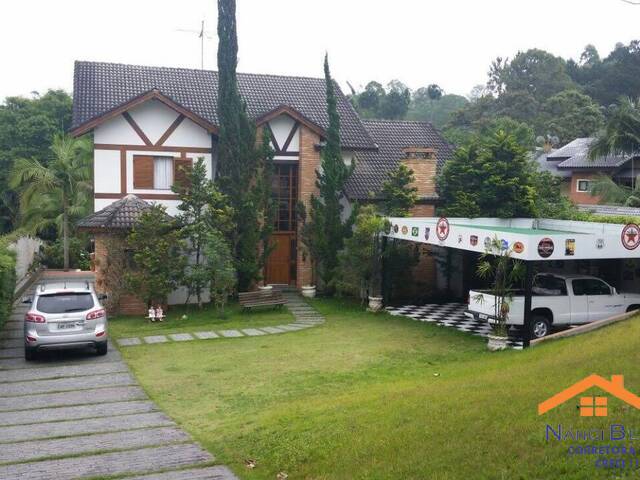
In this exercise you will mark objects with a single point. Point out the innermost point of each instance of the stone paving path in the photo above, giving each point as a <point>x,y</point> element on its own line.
<point>306,317</point>
<point>73,415</point>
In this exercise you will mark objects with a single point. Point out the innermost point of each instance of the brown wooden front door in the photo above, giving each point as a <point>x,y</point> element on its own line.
<point>281,265</point>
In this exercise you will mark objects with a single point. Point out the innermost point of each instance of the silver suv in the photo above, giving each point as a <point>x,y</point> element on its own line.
<point>64,315</point>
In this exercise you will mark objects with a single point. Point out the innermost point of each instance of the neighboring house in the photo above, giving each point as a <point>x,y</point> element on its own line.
<point>147,122</point>
<point>573,164</point>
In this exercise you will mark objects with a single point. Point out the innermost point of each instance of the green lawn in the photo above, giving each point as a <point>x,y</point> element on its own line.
<point>378,397</point>
<point>198,320</point>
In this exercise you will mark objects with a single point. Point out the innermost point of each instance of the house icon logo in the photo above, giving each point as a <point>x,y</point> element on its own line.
<point>592,406</point>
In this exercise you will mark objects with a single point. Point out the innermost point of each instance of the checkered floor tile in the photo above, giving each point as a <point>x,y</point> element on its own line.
<point>452,315</point>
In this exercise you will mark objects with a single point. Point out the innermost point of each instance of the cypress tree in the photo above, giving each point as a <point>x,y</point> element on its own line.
<point>242,164</point>
<point>325,232</point>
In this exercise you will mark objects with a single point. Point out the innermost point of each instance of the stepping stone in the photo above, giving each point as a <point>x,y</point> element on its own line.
<point>12,334</point>
<point>143,460</point>
<point>24,417</point>
<point>156,339</point>
<point>206,335</point>
<point>12,343</point>
<point>132,439</point>
<point>86,426</point>
<point>252,332</point>
<point>65,384</point>
<point>287,327</point>
<point>45,371</point>
<point>231,333</point>
<point>128,342</point>
<point>78,397</point>
<point>12,353</point>
<point>272,329</point>
<point>180,337</point>
<point>217,472</point>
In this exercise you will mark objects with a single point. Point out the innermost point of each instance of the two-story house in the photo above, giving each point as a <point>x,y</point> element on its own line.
<point>147,122</point>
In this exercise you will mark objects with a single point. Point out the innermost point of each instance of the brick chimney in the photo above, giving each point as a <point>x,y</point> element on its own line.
<point>422,160</point>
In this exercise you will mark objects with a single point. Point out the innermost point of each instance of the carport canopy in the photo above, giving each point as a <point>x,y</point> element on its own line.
<point>529,240</point>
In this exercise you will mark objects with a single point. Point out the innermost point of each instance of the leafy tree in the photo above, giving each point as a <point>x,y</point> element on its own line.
<point>398,193</point>
<point>221,274</point>
<point>569,115</point>
<point>323,233</point>
<point>396,102</point>
<point>156,250</point>
<point>27,127</point>
<point>241,162</point>
<point>437,112</point>
<point>370,98</point>
<point>203,211</point>
<point>608,79</point>
<point>621,135</point>
<point>612,193</point>
<point>57,193</point>
<point>492,176</point>
<point>359,262</point>
<point>537,72</point>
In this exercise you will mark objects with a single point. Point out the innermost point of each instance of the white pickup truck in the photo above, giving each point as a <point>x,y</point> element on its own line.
<point>558,300</point>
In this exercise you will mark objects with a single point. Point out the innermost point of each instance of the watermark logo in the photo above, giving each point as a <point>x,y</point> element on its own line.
<point>592,406</point>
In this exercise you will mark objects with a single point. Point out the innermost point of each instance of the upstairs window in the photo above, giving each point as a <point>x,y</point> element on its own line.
<point>159,172</point>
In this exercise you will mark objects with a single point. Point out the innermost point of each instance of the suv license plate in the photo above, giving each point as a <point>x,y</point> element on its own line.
<point>483,316</point>
<point>68,325</point>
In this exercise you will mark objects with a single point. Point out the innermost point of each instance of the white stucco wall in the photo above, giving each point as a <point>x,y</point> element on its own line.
<point>116,131</point>
<point>153,118</point>
<point>189,134</point>
<point>281,127</point>
<point>106,171</point>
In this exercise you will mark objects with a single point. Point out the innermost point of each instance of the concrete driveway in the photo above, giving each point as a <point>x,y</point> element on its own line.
<point>76,415</point>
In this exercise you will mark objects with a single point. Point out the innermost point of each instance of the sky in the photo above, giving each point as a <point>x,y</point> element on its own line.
<point>419,42</point>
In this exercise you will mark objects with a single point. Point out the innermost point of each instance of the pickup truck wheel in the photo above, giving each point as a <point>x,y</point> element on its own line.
<point>540,326</point>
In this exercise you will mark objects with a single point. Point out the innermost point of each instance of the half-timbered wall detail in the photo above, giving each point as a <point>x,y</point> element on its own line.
<point>285,136</point>
<point>144,151</point>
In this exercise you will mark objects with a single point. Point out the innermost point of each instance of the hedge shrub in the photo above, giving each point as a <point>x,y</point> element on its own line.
<point>7,279</point>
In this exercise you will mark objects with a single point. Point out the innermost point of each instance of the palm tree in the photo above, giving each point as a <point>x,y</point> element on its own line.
<point>621,136</point>
<point>55,194</point>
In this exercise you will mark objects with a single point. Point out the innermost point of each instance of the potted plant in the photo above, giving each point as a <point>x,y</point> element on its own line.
<point>496,264</point>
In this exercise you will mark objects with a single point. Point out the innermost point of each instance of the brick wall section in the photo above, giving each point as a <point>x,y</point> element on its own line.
<point>309,163</point>
<point>424,171</point>
<point>423,210</point>
<point>129,304</point>
<point>582,197</point>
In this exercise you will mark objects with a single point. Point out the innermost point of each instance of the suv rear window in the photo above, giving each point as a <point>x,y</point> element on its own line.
<point>65,302</point>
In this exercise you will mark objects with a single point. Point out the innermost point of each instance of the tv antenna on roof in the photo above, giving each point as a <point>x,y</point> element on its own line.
<point>202,34</point>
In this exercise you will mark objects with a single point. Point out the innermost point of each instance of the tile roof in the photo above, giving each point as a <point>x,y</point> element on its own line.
<point>547,163</point>
<point>391,136</point>
<point>101,87</point>
<point>579,145</point>
<point>120,215</point>
<point>575,154</point>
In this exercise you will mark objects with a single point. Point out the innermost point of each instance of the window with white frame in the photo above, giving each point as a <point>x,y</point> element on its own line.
<point>162,173</point>
<point>583,185</point>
